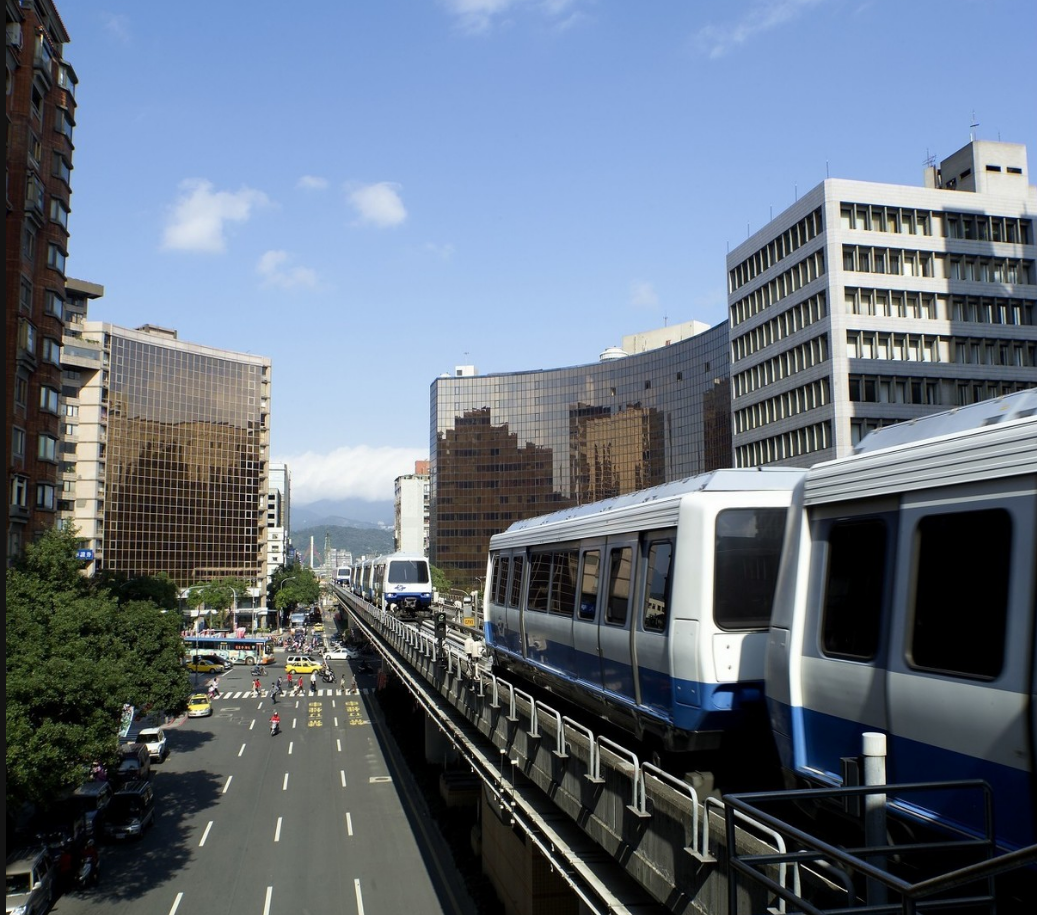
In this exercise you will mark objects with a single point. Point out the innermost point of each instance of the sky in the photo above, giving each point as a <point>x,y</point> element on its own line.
<point>373,192</point>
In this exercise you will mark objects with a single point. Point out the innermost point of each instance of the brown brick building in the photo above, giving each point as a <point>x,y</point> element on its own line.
<point>40,120</point>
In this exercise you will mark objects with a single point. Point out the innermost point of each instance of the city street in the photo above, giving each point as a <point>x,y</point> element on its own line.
<point>316,819</point>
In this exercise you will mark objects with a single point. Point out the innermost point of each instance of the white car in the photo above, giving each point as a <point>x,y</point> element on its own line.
<point>341,654</point>
<point>155,740</point>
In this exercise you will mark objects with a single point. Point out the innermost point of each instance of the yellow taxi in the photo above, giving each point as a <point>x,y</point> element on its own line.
<point>204,666</point>
<point>301,664</point>
<point>318,627</point>
<point>199,706</point>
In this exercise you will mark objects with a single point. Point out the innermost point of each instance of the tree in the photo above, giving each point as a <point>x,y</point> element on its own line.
<point>440,582</point>
<point>160,589</point>
<point>75,656</point>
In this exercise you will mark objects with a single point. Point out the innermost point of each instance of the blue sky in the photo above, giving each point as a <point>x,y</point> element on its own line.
<point>371,193</point>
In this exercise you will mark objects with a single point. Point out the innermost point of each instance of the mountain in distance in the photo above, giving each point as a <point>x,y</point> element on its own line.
<point>360,541</point>
<point>343,513</point>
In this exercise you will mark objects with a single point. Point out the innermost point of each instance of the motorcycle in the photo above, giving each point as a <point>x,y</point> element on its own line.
<point>327,675</point>
<point>364,668</point>
<point>88,873</point>
<point>275,727</point>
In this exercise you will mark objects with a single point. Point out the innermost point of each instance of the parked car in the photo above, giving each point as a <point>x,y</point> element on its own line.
<point>134,763</point>
<point>131,812</point>
<point>93,798</point>
<point>199,706</point>
<point>31,881</point>
<point>155,740</point>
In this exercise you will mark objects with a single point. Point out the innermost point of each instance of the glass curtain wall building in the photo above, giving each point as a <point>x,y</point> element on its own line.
<point>512,446</point>
<point>172,457</point>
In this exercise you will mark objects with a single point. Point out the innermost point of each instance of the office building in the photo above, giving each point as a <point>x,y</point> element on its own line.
<point>41,116</point>
<point>169,463</point>
<point>511,446</point>
<point>411,510</point>
<point>278,518</point>
<point>866,304</point>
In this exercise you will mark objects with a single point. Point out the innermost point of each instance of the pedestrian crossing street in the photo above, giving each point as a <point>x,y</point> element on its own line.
<point>265,694</point>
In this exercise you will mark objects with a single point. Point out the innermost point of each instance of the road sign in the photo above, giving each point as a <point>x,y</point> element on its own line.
<point>86,555</point>
<point>468,621</point>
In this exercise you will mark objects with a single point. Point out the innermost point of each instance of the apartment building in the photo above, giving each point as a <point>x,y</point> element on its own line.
<point>867,304</point>
<point>411,510</point>
<point>41,116</point>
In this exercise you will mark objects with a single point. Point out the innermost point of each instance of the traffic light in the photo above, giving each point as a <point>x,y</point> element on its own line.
<point>440,625</point>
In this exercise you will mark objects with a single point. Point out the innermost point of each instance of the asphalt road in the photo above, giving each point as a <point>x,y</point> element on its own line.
<point>319,819</point>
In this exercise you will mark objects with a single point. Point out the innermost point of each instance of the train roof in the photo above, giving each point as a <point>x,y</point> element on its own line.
<point>989,440</point>
<point>768,479</point>
<point>975,416</point>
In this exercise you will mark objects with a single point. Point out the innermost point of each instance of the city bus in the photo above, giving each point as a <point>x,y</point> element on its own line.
<point>244,650</point>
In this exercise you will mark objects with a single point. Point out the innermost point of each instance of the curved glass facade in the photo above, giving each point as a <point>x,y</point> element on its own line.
<point>518,445</point>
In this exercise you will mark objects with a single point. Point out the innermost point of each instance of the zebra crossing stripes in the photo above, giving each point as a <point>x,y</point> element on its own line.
<point>265,694</point>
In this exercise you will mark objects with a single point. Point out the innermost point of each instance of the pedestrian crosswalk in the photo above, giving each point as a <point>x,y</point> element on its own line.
<point>265,694</point>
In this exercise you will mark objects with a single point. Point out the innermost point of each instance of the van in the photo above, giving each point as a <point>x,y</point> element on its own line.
<point>131,811</point>
<point>31,881</point>
<point>93,798</point>
<point>134,763</point>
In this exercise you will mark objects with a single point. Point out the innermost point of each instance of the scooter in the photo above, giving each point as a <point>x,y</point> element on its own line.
<point>88,872</point>
<point>327,675</point>
<point>275,727</point>
<point>364,668</point>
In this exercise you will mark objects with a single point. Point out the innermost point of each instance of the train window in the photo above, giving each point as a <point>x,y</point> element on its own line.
<point>589,584</point>
<point>656,608</point>
<point>539,581</point>
<point>500,578</point>
<point>619,586</point>
<point>517,565</point>
<point>745,566</point>
<point>960,609</point>
<point>852,611</point>
<point>563,582</point>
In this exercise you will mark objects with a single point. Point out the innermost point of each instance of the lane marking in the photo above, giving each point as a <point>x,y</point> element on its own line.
<point>205,835</point>
<point>349,824</point>
<point>266,905</point>
<point>342,775</point>
<point>335,719</point>
<point>277,831</point>
<point>242,750</point>
<point>338,740</point>
<point>230,778</point>
<point>291,743</point>
<point>251,726</point>
<point>176,903</point>
<point>284,786</point>
<point>294,720</point>
<point>377,779</point>
<point>359,898</point>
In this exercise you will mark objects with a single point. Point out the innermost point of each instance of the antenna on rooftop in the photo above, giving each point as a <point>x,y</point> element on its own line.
<point>930,159</point>
<point>972,127</point>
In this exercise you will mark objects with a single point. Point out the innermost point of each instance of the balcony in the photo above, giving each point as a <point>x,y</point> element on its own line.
<point>79,353</point>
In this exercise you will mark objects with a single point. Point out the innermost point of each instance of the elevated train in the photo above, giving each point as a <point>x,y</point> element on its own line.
<point>891,591</point>
<point>400,583</point>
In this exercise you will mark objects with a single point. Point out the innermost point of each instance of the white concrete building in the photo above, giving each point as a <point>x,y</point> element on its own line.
<point>278,518</point>
<point>866,304</point>
<point>411,504</point>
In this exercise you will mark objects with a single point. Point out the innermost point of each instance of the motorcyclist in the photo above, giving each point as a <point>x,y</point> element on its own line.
<point>275,723</point>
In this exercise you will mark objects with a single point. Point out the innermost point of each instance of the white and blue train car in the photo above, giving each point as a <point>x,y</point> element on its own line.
<point>365,579</point>
<point>402,584</point>
<point>905,606</point>
<point>651,608</point>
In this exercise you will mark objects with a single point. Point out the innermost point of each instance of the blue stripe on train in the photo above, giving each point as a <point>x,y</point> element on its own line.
<point>819,741</point>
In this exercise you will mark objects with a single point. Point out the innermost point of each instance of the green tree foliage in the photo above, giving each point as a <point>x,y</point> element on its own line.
<point>161,590</point>
<point>440,582</point>
<point>291,586</point>
<point>74,656</point>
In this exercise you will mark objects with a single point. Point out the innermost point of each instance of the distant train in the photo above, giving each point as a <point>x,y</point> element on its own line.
<point>398,582</point>
<point>343,574</point>
<point>905,605</point>
<point>651,608</point>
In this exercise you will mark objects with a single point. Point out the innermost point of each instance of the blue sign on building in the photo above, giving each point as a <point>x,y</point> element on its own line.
<point>88,555</point>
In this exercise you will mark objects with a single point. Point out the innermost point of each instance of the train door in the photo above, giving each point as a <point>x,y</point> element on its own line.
<point>652,665</point>
<point>964,672</point>
<point>841,675</point>
<point>513,634</point>
<point>617,674</point>
<point>586,650</point>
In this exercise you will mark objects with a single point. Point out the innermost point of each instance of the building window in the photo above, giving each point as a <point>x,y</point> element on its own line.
<point>47,448</point>
<point>25,295</point>
<point>61,169</point>
<point>54,304</point>
<point>27,337</point>
<point>19,492</point>
<point>21,392</point>
<point>51,351</point>
<point>59,211</point>
<point>48,400</point>
<point>56,258</point>
<point>17,443</point>
<point>29,243</point>
<point>45,496</point>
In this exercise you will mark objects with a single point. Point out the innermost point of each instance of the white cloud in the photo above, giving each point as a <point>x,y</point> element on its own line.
<point>716,40</point>
<point>444,251</point>
<point>377,204</point>
<point>643,295</point>
<point>478,16</point>
<point>198,218</point>
<point>361,472</point>
<point>312,183</point>
<point>118,26</point>
<point>274,270</point>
